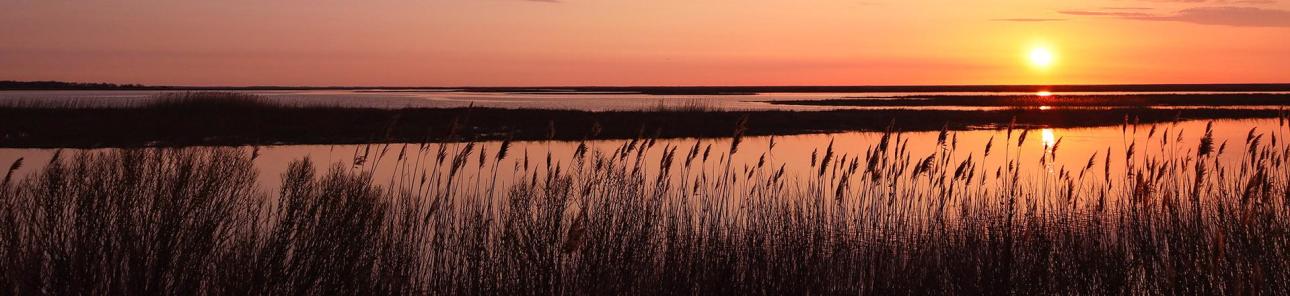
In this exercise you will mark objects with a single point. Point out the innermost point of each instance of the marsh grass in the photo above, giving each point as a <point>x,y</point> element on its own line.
<point>686,105</point>
<point>863,220</point>
<point>209,102</point>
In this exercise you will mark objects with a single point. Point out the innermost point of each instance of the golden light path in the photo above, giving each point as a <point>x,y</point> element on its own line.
<point>1048,137</point>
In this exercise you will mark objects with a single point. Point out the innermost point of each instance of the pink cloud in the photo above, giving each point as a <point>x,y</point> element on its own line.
<point>1221,16</point>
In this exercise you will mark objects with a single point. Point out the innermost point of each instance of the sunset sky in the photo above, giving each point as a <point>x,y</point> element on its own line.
<point>655,42</point>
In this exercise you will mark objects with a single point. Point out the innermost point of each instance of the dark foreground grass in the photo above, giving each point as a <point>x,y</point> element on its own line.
<point>186,119</point>
<point>863,220</point>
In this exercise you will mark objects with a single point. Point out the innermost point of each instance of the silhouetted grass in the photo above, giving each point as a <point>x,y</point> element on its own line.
<point>217,102</point>
<point>686,106</point>
<point>186,119</point>
<point>863,220</point>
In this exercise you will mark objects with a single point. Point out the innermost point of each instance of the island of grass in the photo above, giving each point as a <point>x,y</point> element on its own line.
<point>225,118</point>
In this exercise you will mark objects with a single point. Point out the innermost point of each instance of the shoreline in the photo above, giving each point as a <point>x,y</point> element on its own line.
<point>27,127</point>
<point>1083,100</point>
<point>688,90</point>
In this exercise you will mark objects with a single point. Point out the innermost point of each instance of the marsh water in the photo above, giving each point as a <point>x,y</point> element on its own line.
<point>796,154</point>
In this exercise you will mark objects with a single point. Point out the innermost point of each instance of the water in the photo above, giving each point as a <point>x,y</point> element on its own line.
<point>793,152</point>
<point>567,100</point>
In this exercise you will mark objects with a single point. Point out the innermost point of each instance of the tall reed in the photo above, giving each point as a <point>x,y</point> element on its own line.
<point>863,220</point>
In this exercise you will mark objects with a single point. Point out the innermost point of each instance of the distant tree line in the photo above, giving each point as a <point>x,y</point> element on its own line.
<point>688,90</point>
<point>61,85</point>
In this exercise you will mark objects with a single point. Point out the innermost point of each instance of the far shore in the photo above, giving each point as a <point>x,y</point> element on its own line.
<point>685,90</point>
<point>230,119</point>
<point>1081,100</point>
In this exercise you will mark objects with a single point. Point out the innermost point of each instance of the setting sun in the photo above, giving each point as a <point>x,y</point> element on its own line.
<point>1041,57</point>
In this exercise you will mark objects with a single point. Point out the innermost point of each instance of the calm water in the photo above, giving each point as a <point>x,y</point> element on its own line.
<point>792,152</point>
<point>442,99</point>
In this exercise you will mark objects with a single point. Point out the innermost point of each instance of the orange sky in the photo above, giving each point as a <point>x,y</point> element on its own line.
<point>655,42</point>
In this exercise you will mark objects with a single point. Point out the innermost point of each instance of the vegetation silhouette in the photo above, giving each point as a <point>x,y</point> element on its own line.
<point>863,220</point>
<point>228,118</point>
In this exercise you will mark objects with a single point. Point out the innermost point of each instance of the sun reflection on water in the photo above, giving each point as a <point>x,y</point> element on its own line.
<point>1048,137</point>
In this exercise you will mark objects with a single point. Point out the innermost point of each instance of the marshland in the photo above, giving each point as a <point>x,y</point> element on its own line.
<point>212,193</point>
<point>664,147</point>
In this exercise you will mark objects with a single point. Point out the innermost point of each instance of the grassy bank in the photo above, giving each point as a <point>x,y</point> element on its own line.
<point>862,220</point>
<point>235,119</point>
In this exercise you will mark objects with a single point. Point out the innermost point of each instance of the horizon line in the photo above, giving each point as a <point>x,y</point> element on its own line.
<point>176,86</point>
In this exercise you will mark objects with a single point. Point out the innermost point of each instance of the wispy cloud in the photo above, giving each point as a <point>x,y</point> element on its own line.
<point>1216,1</point>
<point>1029,20</point>
<point>1257,2</point>
<point>1125,8</point>
<point>1104,13</point>
<point>1229,16</point>
<point>1220,16</point>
